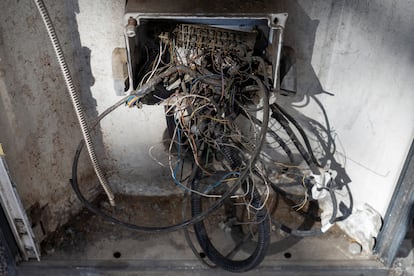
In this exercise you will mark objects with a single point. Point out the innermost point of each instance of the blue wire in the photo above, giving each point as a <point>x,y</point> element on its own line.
<point>129,98</point>
<point>218,183</point>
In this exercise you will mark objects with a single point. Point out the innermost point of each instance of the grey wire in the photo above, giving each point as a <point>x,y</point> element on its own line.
<point>74,96</point>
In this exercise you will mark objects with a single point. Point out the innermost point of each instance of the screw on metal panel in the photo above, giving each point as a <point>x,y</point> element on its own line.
<point>355,248</point>
<point>131,27</point>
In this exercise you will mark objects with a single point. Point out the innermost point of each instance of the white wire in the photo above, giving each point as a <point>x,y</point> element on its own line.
<point>161,53</point>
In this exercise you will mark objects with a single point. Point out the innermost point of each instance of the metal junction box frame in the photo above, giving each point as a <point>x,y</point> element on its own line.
<point>237,15</point>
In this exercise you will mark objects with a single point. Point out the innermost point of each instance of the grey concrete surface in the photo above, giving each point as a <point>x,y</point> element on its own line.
<point>92,246</point>
<point>39,131</point>
<point>361,52</point>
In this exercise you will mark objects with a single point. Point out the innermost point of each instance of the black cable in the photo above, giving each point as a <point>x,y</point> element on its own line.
<point>142,91</point>
<point>312,232</point>
<point>351,205</point>
<point>263,236</point>
<point>302,133</point>
<point>334,206</point>
<point>195,252</point>
<point>289,230</point>
<point>278,139</point>
<point>105,216</point>
<point>290,202</point>
<point>262,216</point>
<point>189,241</point>
<point>307,233</point>
<point>285,124</point>
<point>310,159</point>
<point>297,232</point>
<point>284,193</point>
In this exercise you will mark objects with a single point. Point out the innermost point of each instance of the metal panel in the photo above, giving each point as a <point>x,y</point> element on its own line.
<point>193,267</point>
<point>399,214</point>
<point>16,214</point>
<point>202,7</point>
<point>217,13</point>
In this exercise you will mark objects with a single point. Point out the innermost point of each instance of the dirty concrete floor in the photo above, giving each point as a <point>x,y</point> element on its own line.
<point>87,245</point>
<point>88,237</point>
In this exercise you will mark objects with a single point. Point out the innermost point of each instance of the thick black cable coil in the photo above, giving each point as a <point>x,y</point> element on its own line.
<point>262,217</point>
<point>263,236</point>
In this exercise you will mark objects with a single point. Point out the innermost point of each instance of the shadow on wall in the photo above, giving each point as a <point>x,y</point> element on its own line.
<point>41,128</point>
<point>300,35</point>
<point>79,62</point>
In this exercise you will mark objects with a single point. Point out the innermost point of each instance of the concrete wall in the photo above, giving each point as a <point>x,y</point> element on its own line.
<point>38,128</point>
<point>359,51</point>
<point>362,53</point>
<point>128,134</point>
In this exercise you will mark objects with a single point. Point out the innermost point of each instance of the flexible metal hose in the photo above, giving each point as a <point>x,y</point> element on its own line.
<point>74,96</point>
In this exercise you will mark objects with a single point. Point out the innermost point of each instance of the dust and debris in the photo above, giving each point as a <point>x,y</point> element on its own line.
<point>86,227</point>
<point>90,236</point>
